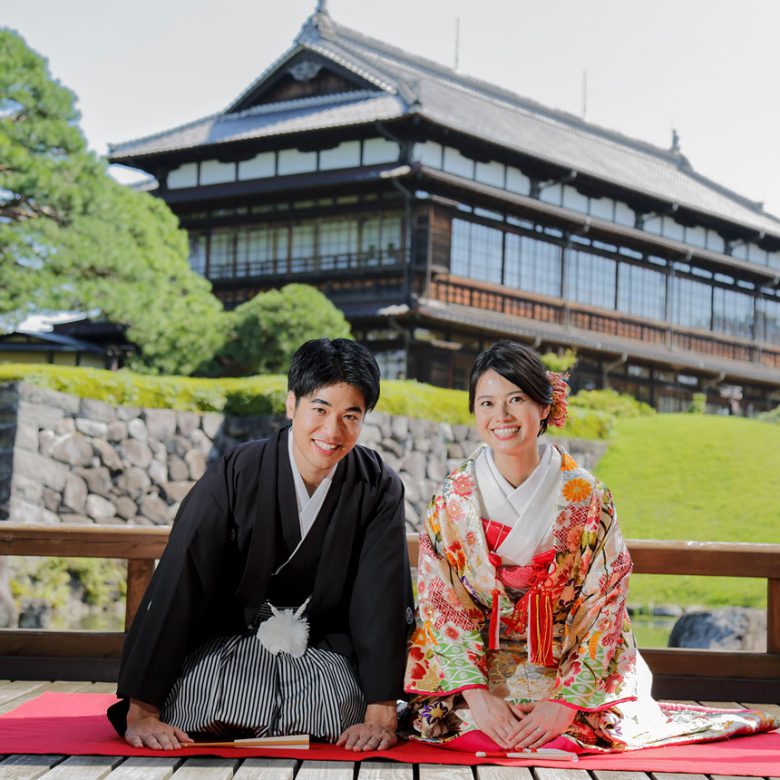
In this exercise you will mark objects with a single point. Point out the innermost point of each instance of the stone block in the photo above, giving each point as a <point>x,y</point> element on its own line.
<point>38,415</point>
<point>27,489</point>
<point>399,428</point>
<point>27,437</point>
<point>75,494</point>
<point>72,449</point>
<point>159,452</point>
<point>175,491</point>
<point>178,445</point>
<point>97,410</point>
<point>116,431</point>
<point>414,463</point>
<point>422,444</point>
<point>125,507</point>
<point>187,422</point>
<point>107,455</point>
<point>46,440</point>
<point>444,431</point>
<point>158,472</point>
<point>726,628</point>
<point>201,442</point>
<point>20,511</point>
<point>455,450</point>
<point>76,519</point>
<point>155,509</point>
<point>460,432</point>
<point>98,480</point>
<point>212,423</point>
<point>391,445</point>
<point>91,427</point>
<point>434,470</point>
<point>177,468</point>
<point>99,508</point>
<point>370,434</point>
<point>136,453</point>
<point>196,464</point>
<point>65,425</point>
<point>161,423</point>
<point>137,429</point>
<point>126,413</point>
<point>41,395</point>
<point>51,499</point>
<point>36,467</point>
<point>134,482</point>
<point>411,488</point>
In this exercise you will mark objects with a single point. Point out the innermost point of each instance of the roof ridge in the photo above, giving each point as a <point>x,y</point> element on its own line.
<point>113,148</point>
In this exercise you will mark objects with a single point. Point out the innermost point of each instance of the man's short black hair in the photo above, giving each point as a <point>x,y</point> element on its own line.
<point>322,362</point>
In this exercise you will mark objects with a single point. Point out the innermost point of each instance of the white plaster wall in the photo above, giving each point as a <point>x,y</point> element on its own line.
<point>260,166</point>
<point>455,162</point>
<point>380,150</point>
<point>345,155</point>
<point>216,172</point>
<point>429,153</point>
<point>293,161</point>
<point>490,173</point>
<point>184,176</point>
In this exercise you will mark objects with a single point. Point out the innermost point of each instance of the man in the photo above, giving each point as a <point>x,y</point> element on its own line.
<point>304,520</point>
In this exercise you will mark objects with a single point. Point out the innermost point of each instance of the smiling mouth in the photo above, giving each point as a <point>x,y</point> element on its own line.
<point>325,446</point>
<point>505,433</point>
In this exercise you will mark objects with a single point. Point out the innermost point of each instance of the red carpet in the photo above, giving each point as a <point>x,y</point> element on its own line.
<point>75,724</point>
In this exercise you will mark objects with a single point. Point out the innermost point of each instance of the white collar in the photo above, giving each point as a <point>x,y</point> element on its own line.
<point>308,506</point>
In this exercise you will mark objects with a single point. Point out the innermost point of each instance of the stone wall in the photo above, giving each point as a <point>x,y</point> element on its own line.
<point>78,460</point>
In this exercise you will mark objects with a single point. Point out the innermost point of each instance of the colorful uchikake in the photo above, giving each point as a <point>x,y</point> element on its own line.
<point>559,404</point>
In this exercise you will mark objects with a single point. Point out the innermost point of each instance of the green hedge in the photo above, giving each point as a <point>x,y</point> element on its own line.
<point>590,419</point>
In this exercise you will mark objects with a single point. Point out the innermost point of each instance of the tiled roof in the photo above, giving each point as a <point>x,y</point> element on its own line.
<point>408,84</point>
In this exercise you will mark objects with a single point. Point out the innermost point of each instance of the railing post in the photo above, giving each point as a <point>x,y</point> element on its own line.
<point>773,616</point>
<point>139,575</point>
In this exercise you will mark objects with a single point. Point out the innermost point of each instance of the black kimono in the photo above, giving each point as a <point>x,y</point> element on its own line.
<point>237,525</point>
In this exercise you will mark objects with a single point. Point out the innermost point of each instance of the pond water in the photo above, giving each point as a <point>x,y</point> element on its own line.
<point>652,630</point>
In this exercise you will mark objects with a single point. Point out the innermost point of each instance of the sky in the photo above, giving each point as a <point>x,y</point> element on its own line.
<point>708,68</point>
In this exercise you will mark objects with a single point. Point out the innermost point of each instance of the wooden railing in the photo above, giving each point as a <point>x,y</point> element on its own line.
<point>678,673</point>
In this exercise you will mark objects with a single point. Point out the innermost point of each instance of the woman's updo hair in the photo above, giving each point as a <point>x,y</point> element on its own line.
<point>519,365</point>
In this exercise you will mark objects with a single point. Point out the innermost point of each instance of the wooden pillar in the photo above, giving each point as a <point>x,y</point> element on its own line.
<point>773,616</point>
<point>139,575</point>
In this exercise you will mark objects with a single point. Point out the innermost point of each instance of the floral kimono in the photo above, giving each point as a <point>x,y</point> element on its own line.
<point>523,592</point>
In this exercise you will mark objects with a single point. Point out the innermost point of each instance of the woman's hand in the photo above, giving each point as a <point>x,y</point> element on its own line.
<point>376,732</point>
<point>493,716</point>
<point>145,729</point>
<point>541,722</point>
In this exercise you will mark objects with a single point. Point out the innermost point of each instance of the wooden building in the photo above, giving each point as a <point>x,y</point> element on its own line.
<point>441,213</point>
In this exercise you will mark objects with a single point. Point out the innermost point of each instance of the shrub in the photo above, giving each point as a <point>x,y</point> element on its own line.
<point>772,416</point>
<point>616,404</point>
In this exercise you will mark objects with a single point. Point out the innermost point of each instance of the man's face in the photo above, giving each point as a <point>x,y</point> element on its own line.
<point>325,427</point>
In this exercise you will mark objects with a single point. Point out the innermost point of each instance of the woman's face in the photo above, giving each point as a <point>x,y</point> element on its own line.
<point>507,419</point>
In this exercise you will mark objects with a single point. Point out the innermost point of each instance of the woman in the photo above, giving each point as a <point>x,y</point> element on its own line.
<point>522,637</point>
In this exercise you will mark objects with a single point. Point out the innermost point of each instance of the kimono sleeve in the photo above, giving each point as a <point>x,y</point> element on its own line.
<point>447,649</point>
<point>598,656</point>
<point>179,602</point>
<point>381,602</point>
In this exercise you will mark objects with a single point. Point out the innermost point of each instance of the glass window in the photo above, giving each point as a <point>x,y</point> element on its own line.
<point>641,291</point>
<point>691,303</point>
<point>338,242</point>
<point>476,251</point>
<point>303,247</point>
<point>732,312</point>
<point>222,253</point>
<point>768,320</point>
<point>392,242</point>
<point>371,240</point>
<point>198,252</point>
<point>532,265</point>
<point>590,279</point>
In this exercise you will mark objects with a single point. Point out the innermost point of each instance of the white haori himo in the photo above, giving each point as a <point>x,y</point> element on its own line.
<point>529,509</point>
<point>286,631</point>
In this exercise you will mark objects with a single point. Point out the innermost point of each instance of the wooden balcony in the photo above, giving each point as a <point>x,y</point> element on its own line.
<point>573,316</point>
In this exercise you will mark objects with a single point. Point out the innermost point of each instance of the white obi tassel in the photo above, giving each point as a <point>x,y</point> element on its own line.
<point>287,631</point>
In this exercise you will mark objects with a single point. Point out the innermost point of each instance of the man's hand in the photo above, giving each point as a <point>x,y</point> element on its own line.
<point>145,729</point>
<point>493,716</point>
<point>541,722</point>
<point>376,732</point>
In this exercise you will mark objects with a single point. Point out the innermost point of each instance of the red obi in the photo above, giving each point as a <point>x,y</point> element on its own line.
<point>533,612</point>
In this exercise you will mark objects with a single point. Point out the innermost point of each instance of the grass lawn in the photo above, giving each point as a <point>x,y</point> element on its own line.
<point>701,477</point>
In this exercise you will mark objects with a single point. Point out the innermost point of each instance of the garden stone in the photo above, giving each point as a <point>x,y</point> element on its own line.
<point>422,444</point>
<point>75,494</point>
<point>20,511</point>
<point>126,413</point>
<point>186,422</point>
<point>27,489</point>
<point>98,480</point>
<point>99,508</point>
<point>175,491</point>
<point>39,415</point>
<point>370,435</point>
<point>74,519</point>
<point>137,430</point>
<point>399,428</point>
<point>46,440</point>
<point>108,456</point>
<point>161,423</point>
<point>27,437</point>
<point>455,450</point>
<point>159,452</point>
<point>391,460</point>
<point>65,425</point>
<point>97,410</point>
<point>728,628</point>
<point>196,463</point>
<point>91,427</point>
<point>410,513</point>
<point>173,510</point>
<point>212,423</point>
<point>178,445</point>
<point>33,466</point>
<point>158,472</point>
<point>389,445</point>
<point>177,468</point>
<point>155,509</point>
<point>51,499</point>
<point>202,442</point>
<point>116,431</point>
<point>460,433</point>
<point>134,482</point>
<point>125,507</point>
<point>445,431</point>
<point>414,464</point>
<point>136,453</point>
<point>435,469</point>
<point>411,491</point>
<point>42,395</point>
<point>35,613</point>
<point>73,449</point>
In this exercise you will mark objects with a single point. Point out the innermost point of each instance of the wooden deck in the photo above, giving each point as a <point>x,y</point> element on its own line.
<point>57,767</point>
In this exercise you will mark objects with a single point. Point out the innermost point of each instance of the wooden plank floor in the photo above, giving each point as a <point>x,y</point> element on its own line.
<point>30,767</point>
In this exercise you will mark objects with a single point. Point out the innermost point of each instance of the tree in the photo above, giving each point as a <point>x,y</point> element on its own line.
<point>71,238</point>
<point>267,329</point>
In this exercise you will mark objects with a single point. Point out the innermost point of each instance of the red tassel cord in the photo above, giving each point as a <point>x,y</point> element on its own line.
<point>495,623</point>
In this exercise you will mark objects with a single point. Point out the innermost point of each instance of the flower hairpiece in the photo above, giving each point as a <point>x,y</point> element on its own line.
<point>558,405</point>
